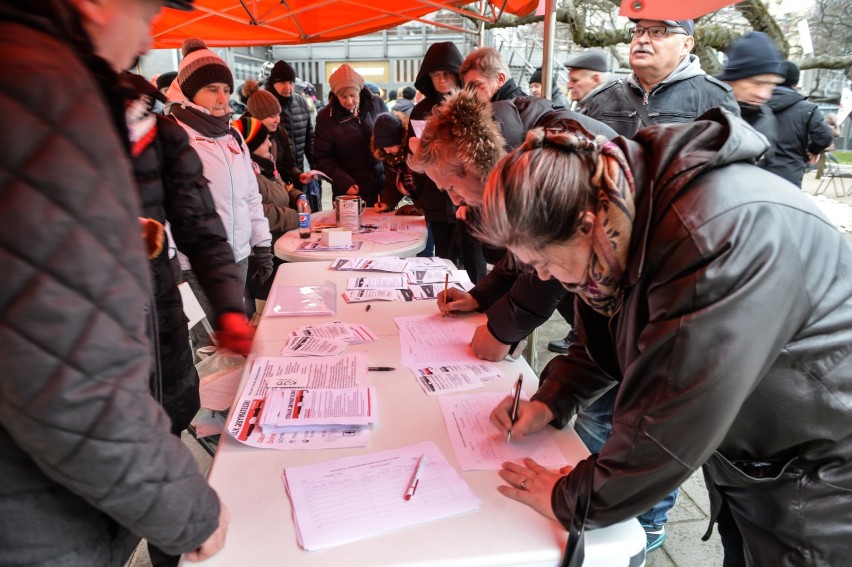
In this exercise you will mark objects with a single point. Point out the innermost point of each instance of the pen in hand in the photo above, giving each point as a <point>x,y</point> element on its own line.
<point>515,405</point>
<point>446,286</point>
<point>415,480</point>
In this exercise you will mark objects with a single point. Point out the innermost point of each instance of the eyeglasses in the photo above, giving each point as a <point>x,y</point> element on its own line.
<point>655,32</point>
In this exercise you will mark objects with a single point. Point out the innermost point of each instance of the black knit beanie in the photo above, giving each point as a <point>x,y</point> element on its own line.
<point>387,131</point>
<point>751,55</point>
<point>282,71</point>
<point>536,76</point>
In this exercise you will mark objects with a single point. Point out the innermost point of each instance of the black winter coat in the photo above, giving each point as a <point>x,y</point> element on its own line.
<point>342,147</point>
<point>801,129</point>
<point>173,189</point>
<point>296,119</point>
<point>508,91</point>
<point>732,348</point>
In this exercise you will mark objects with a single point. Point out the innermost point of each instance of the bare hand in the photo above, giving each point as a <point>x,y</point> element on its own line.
<point>531,484</point>
<point>380,207</point>
<point>305,178</point>
<point>532,417</point>
<point>215,542</point>
<point>486,347</point>
<point>455,300</point>
<point>812,158</point>
<point>353,190</point>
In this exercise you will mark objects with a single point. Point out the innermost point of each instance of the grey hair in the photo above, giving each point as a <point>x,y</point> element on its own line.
<point>536,195</point>
<point>487,61</point>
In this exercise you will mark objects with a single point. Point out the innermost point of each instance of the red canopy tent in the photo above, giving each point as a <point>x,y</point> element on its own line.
<point>232,23</point>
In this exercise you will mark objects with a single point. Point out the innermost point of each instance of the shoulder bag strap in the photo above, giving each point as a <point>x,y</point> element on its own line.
<point>637,105</point>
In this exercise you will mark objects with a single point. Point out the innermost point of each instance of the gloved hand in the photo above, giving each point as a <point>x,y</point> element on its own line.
<point>234,333</point>
<point>263,264</point>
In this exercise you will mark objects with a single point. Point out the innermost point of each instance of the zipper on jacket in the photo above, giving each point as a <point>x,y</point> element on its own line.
<point>612,318</point>
<point>645,99</point>
<point>233,207</point>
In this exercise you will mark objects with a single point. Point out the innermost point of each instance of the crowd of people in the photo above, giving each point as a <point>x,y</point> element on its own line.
<point>708,301</point>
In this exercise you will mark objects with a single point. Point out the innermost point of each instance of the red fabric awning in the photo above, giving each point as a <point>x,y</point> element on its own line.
<point>232,23</point>
<point>670,9</point>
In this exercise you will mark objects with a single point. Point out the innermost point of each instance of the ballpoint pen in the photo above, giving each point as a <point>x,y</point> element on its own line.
<point>515,404</point>
<point>446,285</point>
<point>415,479</point>
<point>381,368</point>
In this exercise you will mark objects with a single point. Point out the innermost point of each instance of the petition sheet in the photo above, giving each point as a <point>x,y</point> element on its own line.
<point>427,340</point>
<point>352,498</point>
<point>477,443</point>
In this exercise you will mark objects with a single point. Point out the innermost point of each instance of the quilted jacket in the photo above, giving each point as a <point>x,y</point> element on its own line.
<point>87,463</point>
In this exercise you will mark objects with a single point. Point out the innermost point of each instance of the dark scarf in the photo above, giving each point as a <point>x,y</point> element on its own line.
<point>266,166</point>
<point>205,124</point>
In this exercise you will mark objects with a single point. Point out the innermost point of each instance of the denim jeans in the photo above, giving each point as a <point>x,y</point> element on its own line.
<point>594,426</point>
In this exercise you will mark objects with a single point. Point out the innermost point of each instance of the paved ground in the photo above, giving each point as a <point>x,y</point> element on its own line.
<point>688,519</point>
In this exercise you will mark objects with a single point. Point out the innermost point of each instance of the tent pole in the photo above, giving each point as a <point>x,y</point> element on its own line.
<point>547,54</point>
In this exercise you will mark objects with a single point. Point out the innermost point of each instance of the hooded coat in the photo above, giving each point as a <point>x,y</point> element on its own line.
<point>342,146</point>
<point>687,93</point>
<point>437,205</point>
<point>801,129</point>
<point>87,461</point>
<point>732,350</point>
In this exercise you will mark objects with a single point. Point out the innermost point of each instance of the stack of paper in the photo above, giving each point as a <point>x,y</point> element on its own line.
<point>353,498</point>
<point>288,408</point>
<point>271,373</point>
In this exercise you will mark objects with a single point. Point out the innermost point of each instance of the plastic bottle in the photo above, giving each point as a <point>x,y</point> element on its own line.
<point>304,210</point>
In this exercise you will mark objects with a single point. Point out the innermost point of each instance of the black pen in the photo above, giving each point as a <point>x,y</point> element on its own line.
<point>381,368</point>
<point>515,405</point>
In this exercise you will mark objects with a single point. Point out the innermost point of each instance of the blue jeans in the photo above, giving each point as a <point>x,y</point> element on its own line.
<point>430,243</point>
<point>594,426</point>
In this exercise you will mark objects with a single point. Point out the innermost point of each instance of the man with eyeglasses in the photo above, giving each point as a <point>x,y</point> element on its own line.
<point>666,85</point>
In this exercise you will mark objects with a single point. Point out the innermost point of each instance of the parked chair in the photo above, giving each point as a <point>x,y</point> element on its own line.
<point>831,176</point>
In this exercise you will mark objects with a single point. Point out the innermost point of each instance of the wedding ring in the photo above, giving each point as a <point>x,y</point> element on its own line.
<point>524,484</point>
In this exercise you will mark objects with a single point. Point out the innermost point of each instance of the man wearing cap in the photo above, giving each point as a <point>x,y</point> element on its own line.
<point>87,461</point>
<point>666,84</point>
<point>802,133</point>
<point>586,72</point>
<point>295,112</point>
<point>556,96</point>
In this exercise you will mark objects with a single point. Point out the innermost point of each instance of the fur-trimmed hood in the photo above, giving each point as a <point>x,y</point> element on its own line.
<point>467,126</point>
